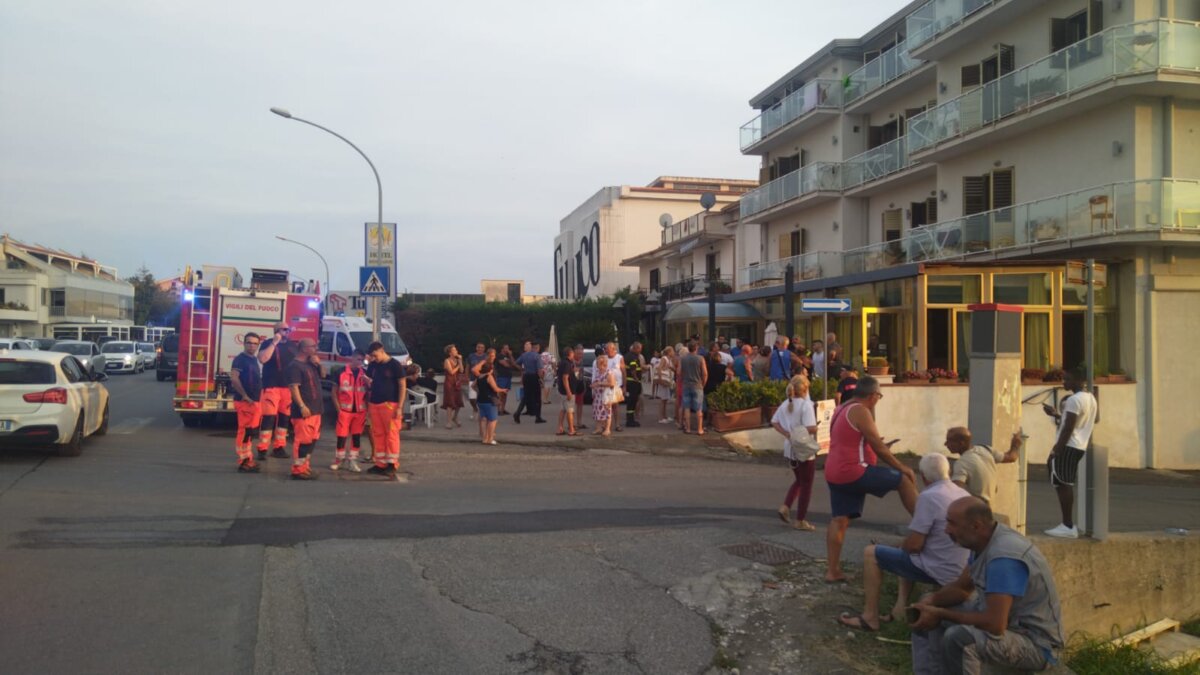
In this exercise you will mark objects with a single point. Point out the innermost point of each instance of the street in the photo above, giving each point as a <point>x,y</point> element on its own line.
<point>149,553</point>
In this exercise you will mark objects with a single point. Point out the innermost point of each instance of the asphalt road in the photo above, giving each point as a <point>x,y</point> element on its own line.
<point>149,553</point>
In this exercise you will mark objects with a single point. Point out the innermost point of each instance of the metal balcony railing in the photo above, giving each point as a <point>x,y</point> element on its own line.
<point>812,178</point>
<point>875,163</point>
<point>692,287</point>
<point>815,94</point>
<point>1118,51</point>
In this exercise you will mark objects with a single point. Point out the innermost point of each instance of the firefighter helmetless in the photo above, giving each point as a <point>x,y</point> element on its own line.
<point>351,391</point>
<point>276,355</point>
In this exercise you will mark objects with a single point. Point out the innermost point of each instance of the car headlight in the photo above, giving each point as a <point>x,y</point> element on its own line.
<point>128,359</point>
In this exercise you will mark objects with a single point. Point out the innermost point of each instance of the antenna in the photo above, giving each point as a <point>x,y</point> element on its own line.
<point>665,220</point>
<point>708,200</point>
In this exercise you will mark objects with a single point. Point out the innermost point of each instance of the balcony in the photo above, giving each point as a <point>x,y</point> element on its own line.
<point>1117,52</point>
<point>686,289</point>
<point>933,29</point>
<point>683,229</point>
<point>806,267</point>
<point>790,188</point>
<point>878,73</point>
<point>818,95</point>
<point>876,163</point>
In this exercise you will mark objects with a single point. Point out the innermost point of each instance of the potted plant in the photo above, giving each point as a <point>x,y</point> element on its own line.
<point>877,365</point>
<point>914,377</point>
<point>1053,375</point>
<point>1032,375</point>
<point>942,375</point>
<point>1117,376</point>
<point>770,393</point>
<point>734,406</point>
<point>820,389</point>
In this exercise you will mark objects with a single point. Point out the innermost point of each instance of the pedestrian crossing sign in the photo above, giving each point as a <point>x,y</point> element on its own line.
<point>373,281</point>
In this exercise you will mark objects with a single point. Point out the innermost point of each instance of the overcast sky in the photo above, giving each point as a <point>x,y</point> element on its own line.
<point>139,132</point>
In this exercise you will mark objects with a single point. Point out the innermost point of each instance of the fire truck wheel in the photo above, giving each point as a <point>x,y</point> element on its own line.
<point>190,420</point>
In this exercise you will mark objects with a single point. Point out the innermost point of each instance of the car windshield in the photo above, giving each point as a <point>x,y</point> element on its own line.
<point>117,348</point>
<point>76,349</point>
<point>170,344</point>
<point>392,344</point>
<point>26,372</point>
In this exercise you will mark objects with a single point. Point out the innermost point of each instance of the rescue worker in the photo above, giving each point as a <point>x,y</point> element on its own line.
<point>352,387</point>
<point>385,407</point>
<point>304,376</point>
<point>275,355</point>
<point>635,364</point>
<point>246,380</point>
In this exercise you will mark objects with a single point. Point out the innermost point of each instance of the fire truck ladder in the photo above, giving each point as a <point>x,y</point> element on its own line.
<point>199,380</point>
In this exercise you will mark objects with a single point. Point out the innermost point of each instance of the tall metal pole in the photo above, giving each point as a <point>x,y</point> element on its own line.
<point>712,311</point>
<point>375,308</point>
<point>325,301</point>
<point>789,300</point>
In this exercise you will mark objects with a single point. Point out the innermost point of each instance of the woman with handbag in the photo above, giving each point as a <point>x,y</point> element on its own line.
<point>664,382</point>
<point>796,420</point>
<point>603,387</point>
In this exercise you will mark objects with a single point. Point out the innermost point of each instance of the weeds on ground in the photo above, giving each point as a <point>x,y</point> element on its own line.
<point>1092,656</point>
<point>1191,626</point>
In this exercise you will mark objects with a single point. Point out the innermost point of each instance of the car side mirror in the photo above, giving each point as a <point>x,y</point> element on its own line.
<point>99,377</point>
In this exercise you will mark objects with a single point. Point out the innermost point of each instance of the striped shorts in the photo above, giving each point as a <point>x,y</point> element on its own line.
<point>1064,466</point>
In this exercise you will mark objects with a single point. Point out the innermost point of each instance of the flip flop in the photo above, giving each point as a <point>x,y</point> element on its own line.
<point>862,625</point>
<point>560,433</point>
<point>886,618</point>
<point>835,582</point>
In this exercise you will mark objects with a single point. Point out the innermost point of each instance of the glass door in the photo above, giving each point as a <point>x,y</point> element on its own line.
<point>886,333</point>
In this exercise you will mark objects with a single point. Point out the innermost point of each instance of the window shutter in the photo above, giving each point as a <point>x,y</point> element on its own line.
<point>1002,188</point>
<point>785,246</point>
<point>766,174</point>
<point>931,210</point>
<point>1058,34</point>
<point>803,241</point>
<point>975,194</point>
<point>991,68</point>
<point>1095,17</point>
<point>970,76</point>
<point>893,221</point>
<point>1008,59</point>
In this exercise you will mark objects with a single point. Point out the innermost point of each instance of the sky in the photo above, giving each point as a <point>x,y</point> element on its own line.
<point>139,133</point>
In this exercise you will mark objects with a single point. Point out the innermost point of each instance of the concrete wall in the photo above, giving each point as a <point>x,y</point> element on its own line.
<point>1126,581</point>
<point>896,198</point>
<point>818,223</point>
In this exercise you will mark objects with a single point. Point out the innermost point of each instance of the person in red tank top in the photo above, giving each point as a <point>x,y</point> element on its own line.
<point>855,447</point>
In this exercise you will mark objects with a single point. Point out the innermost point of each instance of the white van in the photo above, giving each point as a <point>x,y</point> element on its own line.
<point>341,335</point>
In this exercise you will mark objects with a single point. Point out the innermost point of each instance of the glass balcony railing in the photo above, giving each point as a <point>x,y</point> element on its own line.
<point>681,230</point>
<point>1121,50</point>
<point>879,71</point>
<point>815,94</point>
<point>1133,206</point>
<point>808,266</point>
<point>812,178</point>
<point>938,16</point>
<point>875,163</point>
<point>694,287</point>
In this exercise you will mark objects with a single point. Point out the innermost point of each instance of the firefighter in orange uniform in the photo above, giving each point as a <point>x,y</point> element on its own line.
<point>304,376</point>
<point>275,355</point>
<point>351,393</point>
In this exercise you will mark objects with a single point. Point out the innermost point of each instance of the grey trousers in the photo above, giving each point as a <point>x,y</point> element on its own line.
<point>952,648</point>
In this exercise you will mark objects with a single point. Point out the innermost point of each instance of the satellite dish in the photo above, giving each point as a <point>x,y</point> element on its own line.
<point>665,220</point>
<point>708,200</point>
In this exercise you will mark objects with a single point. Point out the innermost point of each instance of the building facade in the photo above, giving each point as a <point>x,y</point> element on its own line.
<point>980,151</point>
<point>619,222</point>
<point>41,288</point>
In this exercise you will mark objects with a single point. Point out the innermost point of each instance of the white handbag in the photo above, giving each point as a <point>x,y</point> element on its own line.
<point>803,446</point>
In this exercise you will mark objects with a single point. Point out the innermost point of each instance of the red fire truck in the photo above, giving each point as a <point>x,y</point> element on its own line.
<point>211,326</point>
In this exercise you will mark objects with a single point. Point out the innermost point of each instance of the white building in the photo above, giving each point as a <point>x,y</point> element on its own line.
<point>619,222</point>
<point>41,288</point>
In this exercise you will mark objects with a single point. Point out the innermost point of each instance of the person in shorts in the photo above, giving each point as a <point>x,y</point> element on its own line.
<point>489,391</point>
<point>1075,425</point>
<point>852,472</point>
<point>566,383</point>
<point>693,373</point>
<point>276,355</point>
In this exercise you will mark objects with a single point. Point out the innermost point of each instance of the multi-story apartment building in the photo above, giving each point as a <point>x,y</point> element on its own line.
<point>622,221</point>
<point>42,288</point>
<point>969,151</point>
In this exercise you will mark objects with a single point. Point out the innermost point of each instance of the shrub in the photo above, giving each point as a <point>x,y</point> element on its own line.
<point>877,362</point>
<point>771,392</point>
<point>942,374</point>
<point>733,396</point>
<point>1054,375</point>
<point>1032,374</point>
<point>822,389</point>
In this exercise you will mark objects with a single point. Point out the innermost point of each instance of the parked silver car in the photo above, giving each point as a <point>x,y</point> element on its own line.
<point>87,353</point>
<point>17,343</point>
<point>149,354</point>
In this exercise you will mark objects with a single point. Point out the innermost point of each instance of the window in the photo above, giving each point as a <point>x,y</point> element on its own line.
<point>71,370</point>
<point>2,298</point>
<point>325,342</point>
<point>953,289</point>
<point>992,190</point>
<point>655,279</point>
<point>344,346</point>
<point>924,213</point>
<point>1021,289</point>
<point>712,267</point>
<point>893,222</point>
<point>1001,63</point>
<point>26,372</point>
<point>1075,29</point>
<point>792,243</point>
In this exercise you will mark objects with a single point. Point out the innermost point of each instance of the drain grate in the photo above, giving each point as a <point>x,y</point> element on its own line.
<point>765,554</point>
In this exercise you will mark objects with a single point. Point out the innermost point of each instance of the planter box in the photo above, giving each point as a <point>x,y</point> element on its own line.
<point>878,370</point>
<point>737,420</point>
<point>768,413</point>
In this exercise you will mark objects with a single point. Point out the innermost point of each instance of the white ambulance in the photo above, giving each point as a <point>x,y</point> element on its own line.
<point>341,335</point>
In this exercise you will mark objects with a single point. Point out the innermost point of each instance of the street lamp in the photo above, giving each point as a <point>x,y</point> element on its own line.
<point>621,304</point>
<point>652,306</point>
<point>710,286</point>
<point>325,302</point>
<point>375,308</point>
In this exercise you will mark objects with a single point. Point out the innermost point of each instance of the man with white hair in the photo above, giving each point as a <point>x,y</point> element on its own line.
<point>927,555</point>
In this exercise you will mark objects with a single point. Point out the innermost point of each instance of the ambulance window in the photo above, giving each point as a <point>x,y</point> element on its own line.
<point>345,347</point>
<point>325,343</point>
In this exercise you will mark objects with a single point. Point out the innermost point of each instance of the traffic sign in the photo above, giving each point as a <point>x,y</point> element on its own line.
<point>833,305</point>
<point>373,281</point>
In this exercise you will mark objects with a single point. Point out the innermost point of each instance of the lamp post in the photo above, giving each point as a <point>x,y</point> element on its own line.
<point>375,307</point>
<point>625,337</point>
<point>710,287</point>
<point>325,300</point>
<point>652,306</point>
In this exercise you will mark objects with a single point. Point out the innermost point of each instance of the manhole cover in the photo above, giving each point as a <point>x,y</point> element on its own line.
<point>765,554</point>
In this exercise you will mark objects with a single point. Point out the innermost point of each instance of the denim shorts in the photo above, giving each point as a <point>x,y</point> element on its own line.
<point>487,411</point>
<point>847,499</point>
<point>503,382</point>
<point>900,563</point>
<point>693,399</point>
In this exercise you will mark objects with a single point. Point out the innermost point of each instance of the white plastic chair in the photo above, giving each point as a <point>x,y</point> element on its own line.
<point>419,404</point>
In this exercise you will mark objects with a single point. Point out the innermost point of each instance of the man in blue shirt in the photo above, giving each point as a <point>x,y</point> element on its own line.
<point>1002,611</point>
<point>781,360</point>
<point>530,362</point>
<point>245,378</point>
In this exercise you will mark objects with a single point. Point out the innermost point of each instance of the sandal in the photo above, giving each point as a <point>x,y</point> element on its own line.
<point>862,624</point>
<point>804,525</point>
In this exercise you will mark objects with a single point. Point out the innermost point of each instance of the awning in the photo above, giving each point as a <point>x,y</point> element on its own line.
<point>726,311</point>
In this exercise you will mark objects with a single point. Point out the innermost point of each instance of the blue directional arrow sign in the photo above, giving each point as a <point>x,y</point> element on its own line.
<point>832,305</point>
<point>373,281</point>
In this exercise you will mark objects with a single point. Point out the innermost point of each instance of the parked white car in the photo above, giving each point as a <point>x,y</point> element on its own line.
<point>87,353</point>
<point>17,343</point>
<point>149,354</point>
<point>48,398</point>
<point>122,357</point>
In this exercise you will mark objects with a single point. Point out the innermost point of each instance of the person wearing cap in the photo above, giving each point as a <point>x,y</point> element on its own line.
<point>276,355</point>
<point>852,471</point>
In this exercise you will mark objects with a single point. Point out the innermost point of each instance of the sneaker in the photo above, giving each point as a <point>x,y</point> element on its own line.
<point>353,466</point>
<point>1063,532</point>
<point>540,421</point>
<point>262,455</point>
<point>492,443</point>
<point>248,466</point>
<point>337,464</point>
<point>664,421</point>
<point>279,452</point>
<point>303,474</point>
<point>380,470</point>
<point>517,417</point>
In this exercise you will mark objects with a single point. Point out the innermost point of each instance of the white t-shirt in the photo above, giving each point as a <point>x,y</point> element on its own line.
<point>802,415</point>
<point>818,359</point>
<point>616,366</point>
<point>726,358</point>
<point>1083,404</point>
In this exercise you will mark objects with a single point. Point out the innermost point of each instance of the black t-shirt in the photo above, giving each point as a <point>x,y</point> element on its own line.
<point>385,381</point>
<point>716,376</point>
<point>503,370</point>
<point>308,376</point>
<point>846,388</point>
<point>274,371</point>
<point>566,368</point>
<point>486,393</point>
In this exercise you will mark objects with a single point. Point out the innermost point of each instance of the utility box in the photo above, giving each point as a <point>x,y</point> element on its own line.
<point>994,406</point>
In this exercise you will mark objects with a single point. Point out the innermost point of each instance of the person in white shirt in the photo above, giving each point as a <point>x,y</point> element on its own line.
<point>1075,424</point>
<point>797,412</point>
<point>616,365</point>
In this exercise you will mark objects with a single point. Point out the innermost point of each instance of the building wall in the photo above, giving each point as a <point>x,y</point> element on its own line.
<point>1185,133</point>
<point>900,197</point>
<point>817,221</point>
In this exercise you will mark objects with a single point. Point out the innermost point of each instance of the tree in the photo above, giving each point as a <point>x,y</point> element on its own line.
<point>150,304</point>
